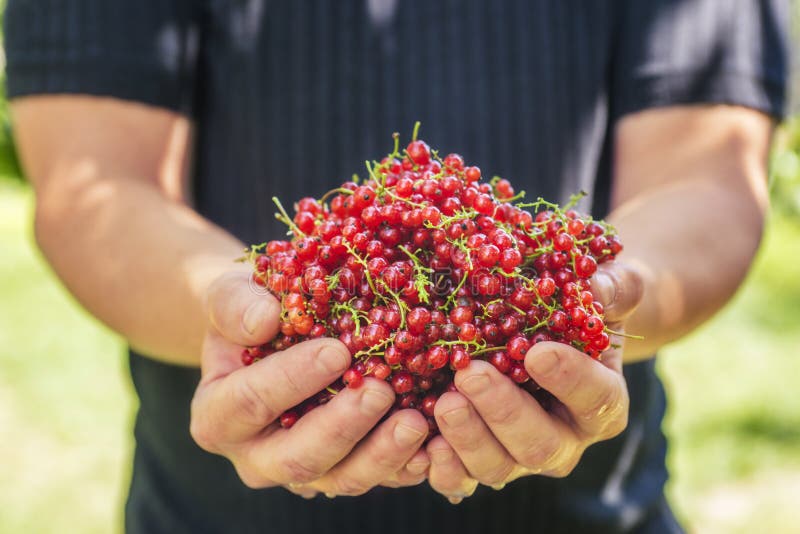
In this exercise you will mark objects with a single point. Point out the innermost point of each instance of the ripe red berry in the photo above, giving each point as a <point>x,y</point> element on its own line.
<point>454,162</point>
<point>501,361</point>
<point>517,347</point>
<point>593,325</point>
<point>423,265</point>
<point>562,242</point>
<point>418,319</point>
<point>510,260</point>
<point>545,287</point>
<point>488,255</point>
<point>428,404</point>
<point>402,382</point>
<point>288,419</point>
<point>558,321</point>
<point>460,315</point>
<point>352,378</point>
<point>518,373</point>
<point>472,174</point>
<point>585,266</point>
<point>437,357</point>
<point>419,152</point>
<point>484,204</point>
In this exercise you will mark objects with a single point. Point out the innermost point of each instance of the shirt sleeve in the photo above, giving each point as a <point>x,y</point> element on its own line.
<point>673,52</point>
<point>142,50</point>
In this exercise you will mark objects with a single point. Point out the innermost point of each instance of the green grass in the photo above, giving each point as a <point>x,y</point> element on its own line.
<point>734,420</point>
<point>66,402</point>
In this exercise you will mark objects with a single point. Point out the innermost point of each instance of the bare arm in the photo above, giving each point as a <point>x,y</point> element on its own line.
<point>689,199</point>
<point>112,219</point>
<point>689,202</point>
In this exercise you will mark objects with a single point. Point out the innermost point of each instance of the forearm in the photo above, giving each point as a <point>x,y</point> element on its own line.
<point>693,242</point>
<point>135,259</point>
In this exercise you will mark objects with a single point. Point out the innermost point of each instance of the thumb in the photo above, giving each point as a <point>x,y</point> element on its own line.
<point>242,313</point>
<point>619,288</point>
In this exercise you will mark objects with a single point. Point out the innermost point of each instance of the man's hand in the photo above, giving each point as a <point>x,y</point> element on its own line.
<point>235,408</point>
<point>493,432</point>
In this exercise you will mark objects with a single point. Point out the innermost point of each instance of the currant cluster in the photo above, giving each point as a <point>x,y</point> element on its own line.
<point>423,267</point>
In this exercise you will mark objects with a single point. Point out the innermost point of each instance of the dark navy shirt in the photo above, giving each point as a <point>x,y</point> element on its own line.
<point>290,97</point>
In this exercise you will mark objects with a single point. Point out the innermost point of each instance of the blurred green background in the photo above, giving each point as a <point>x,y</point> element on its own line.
<point>66,404</point>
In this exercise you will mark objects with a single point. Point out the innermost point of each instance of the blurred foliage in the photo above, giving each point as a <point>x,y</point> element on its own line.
<point>785,169</point>
<point>9,165</point>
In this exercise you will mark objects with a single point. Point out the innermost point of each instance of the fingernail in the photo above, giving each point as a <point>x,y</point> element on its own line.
<point>417,468</point>
<point>544,363</point>
<point>405,435</point>
<point>475,384</point>
<point>332,360</point>
<point>605,287</point>
<point>456,417</point>
<point>455,500</point>
<point>441,456</point>
<point>256,314</point>
<point>374,403</point>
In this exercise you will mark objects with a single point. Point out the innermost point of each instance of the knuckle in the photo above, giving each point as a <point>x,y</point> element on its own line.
<point>540,453</point>
<point>467,438</point>
<point>251,478</point>
<point>289,379</point>
<point>447,485</point>
<point>458,487</point>
<point>408,479</point>
<point>202,434</point>
<point>602,405</point>
<point>252,403</point>
<point>386,461</point>
<point>617,424</point>
<point>296,471</point>
<point>465,442</point>
<point>496,475</point>
<point>564,469</point>
<point>609,408</point>
<point>347,485</point>
<point>505,413</point>
<point>342,436</point>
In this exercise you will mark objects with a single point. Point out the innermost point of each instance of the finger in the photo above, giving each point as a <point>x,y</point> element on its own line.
<point>241,313</point>
<point>384,453</point>
<point>595,395</point>
<point>619,288</point>
<point>403,479</point>
<point>533,437</point>
<point>484,457</point>
<point>238,406</point>
<point>322,437</point>
<point>414,472</point>
<point>419,463</point>
<point>305,492</point>
<point>447,475</point>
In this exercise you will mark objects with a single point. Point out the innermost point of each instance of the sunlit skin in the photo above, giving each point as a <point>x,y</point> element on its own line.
<point>113,220</point>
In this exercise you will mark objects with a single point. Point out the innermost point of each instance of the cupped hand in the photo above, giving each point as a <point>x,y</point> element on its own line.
<point>336,449</point>
<point>493,432</point>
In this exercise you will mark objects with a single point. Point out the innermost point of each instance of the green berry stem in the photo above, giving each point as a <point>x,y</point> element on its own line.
<point>284,218</point>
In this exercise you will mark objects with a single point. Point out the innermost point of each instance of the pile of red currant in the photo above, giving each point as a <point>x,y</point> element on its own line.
<point>422,268</point>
